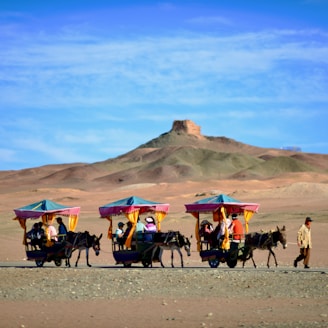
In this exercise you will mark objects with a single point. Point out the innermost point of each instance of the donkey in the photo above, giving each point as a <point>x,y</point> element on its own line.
<point>263,241</point>
<point>81,241</point>
<point>172,240</point>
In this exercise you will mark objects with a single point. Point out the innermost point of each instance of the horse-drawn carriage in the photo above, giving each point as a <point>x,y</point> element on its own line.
<point>138,247</point>
<point>226,250</point>
<point>42,248</point>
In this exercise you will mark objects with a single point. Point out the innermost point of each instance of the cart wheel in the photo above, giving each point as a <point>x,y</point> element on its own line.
<point>146,263</point>
<point>39,263</point>
<point>58,262</point>
<point>127,265</point>
<point>232,263</point>
<point>214,263</point>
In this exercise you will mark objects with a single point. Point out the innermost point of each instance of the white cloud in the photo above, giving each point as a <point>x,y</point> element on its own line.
<point>161,70</point>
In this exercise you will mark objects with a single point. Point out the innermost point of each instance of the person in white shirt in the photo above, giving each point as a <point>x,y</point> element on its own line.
<point>223,225</point>
<point>119,233</point>
<point>52,233</point>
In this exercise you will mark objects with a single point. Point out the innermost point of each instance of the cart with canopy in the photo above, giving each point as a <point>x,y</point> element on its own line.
<point>136,248</point>
<point>220,207</point>
<point>46,211</point>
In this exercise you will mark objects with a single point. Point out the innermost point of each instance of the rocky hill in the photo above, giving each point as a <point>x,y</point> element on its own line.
<point>179,155</point>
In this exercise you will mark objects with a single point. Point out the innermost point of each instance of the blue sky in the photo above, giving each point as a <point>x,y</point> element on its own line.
<point>84,81</point>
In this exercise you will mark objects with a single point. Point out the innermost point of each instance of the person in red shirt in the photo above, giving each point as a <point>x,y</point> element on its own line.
<point>237,229</point>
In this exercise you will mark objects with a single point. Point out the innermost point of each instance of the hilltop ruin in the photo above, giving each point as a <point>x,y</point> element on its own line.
<point>186,126</point>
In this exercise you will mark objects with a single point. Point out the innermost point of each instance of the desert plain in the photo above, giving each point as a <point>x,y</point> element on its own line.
<point>108,295</point>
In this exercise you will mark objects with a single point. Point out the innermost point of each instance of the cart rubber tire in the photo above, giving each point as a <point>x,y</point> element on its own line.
<point>214,263</point>
<point>58,262</point>
<point>146,263</point>
<point>39,263</point>
<point>232,263</point>
<point>127,265</point>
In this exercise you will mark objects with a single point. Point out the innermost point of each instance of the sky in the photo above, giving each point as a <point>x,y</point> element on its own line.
<point>85,81</point>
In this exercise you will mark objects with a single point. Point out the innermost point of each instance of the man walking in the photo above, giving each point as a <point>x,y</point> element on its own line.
<point>304,243</point>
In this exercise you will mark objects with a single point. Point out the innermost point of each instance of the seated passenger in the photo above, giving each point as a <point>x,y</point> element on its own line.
<point>206,229</point>
<point>119,234</point>
<point>52,233</point>
<point>41,232</point>
<point>35,236</point>
<point>128,229</point>
<point>220,230</point>
<point>237,229</point>
<point>150,228</point>
<point>140,229</point>
<point>62,230</point>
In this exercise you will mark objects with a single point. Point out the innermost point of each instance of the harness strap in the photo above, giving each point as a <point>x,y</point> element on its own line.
<point>177,238</point>
<point>74,243</point>
<point>267,241</point>
<point>69,250</point>
<point>167,240</point>
<point>259,243</point>
<point>171,236</point>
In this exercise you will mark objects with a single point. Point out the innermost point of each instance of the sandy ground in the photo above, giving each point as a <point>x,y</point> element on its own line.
<point>138,297</point>
<point>108,295</point>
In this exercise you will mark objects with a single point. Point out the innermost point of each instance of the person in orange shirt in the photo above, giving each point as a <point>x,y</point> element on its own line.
<point>237,229</point>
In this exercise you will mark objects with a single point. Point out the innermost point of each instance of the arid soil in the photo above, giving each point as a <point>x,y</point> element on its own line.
<point>108,295</point>
<point>138,297</point>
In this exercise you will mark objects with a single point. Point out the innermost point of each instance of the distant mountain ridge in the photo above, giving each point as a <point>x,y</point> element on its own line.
<point>181,154</point>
